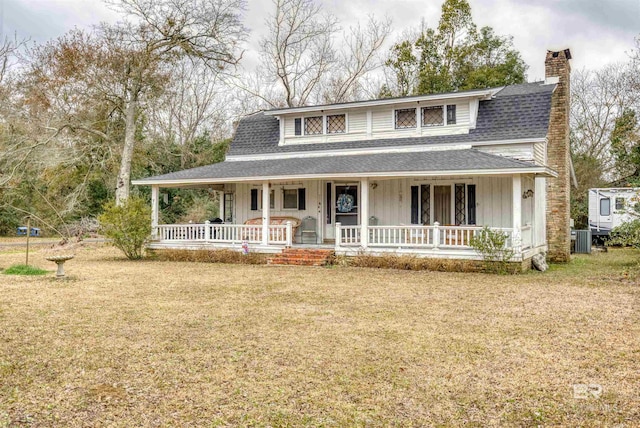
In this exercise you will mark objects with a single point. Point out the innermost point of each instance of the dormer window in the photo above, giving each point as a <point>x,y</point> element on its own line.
<point>298,125</point>
<point>319,125</point>
<point>313,125</point>
<point>451,114</point>
<point>336,124</point>
<point>432,116</point>
<point>405,118</point>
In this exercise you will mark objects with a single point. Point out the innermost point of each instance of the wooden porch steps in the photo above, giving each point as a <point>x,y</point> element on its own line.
<point>302,257</point>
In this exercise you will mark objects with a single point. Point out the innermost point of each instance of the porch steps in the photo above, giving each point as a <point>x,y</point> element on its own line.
<point>302,257</point>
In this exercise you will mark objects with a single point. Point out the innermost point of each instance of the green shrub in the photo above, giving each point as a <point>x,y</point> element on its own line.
<point>128,226</point>
<point>627,234</point>
<point>492,246</point>
<point>24,270</point>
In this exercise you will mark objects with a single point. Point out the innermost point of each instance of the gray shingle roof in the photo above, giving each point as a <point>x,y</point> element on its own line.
<point>430,161</point>
<point>516,112</point>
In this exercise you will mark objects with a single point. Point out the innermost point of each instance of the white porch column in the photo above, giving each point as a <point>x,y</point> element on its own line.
<point>364,212</point>
<point>517,212</point>
<point>266,215</point>
<point>155,208</point>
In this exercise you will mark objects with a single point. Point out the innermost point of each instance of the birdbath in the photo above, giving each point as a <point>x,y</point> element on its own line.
<point>59,260</point>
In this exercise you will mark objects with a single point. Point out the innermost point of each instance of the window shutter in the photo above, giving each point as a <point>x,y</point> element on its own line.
<point>425,208</point>
<point>471,203</point>
<point>459,203</point>
<point>414,204</point>
<point>254,199</point>
<point>451,114</point>
<point>329,201</point>
<point>302,199</point>
<point>298,126</point>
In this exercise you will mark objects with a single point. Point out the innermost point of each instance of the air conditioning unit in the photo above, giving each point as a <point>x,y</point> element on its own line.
<point>583,242</point>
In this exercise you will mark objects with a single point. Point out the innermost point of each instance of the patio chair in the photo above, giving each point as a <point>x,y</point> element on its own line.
<point>308,230</point>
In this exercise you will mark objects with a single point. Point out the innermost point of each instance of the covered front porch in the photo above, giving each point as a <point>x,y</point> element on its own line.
<point>427,201</point>
<point>423,216</point>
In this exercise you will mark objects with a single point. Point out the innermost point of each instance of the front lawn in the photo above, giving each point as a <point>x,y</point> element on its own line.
<point>149,343</point>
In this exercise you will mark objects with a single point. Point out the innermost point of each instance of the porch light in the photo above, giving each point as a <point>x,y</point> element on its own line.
<point>527,194</point>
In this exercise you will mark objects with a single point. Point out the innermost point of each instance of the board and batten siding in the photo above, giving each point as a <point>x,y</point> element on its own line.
<point>493,196</point>
<point>390,201</point>
<point>243,210</point>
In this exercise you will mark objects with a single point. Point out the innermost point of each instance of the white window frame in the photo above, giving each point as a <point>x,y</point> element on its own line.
<point>304,124</point>
<point>284,189</point>
<point>444,110</point>
<point>394,118</point>
<point>301,126</point>
<point>324,125</point>
<point>444,116</point>
<point>346,124</point>
<point>600,207</point>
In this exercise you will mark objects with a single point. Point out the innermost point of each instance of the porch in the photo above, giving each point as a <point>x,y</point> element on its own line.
<point>428,204</point>
<point>425,241</point>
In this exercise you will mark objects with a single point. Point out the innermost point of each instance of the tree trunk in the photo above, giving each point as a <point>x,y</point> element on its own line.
<point>124,176</point>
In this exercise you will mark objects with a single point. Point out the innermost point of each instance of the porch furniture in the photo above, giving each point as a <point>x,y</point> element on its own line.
<point>276,221</point>
<point>308,231</point>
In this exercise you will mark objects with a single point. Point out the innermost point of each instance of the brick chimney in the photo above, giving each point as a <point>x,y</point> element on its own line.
<point>558,70</point>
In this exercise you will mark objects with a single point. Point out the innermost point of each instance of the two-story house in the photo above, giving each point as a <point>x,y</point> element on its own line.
<point>418,175</point>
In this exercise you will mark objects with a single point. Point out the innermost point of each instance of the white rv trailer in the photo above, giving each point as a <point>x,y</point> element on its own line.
<point>610,207</point>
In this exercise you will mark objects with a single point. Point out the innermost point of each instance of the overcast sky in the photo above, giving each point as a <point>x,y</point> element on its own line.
<point>596,31</point>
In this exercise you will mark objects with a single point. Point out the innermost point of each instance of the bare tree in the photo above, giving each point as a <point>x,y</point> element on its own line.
<point>194,104</point>
<point>163,31</point>
<point>307,58</point>
<point>598,98</point>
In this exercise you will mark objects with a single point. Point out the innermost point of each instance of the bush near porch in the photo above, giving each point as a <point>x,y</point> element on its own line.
<point>209,256</point>
<point>171,344</point>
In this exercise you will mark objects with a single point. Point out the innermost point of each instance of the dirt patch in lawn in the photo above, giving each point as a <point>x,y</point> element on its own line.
<point>154,343</point>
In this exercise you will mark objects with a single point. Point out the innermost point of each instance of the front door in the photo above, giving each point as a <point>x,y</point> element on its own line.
<point>340,206</point>
<point>442,204</point>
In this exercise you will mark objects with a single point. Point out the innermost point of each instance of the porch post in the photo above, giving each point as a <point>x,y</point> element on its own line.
<point>517,212</point>
<point>265,213</point>
<point>155,192</point>
<point>364,212</point>
<point>221,206</point>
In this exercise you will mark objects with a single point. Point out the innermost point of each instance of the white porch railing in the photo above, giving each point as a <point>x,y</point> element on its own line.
<point>414,236</point>
<point>281,234</point>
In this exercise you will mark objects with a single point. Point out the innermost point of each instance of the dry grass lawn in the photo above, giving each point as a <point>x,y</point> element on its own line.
<point>154,343</point>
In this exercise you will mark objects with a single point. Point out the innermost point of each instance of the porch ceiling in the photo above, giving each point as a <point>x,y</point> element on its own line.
<point>411,164</point>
